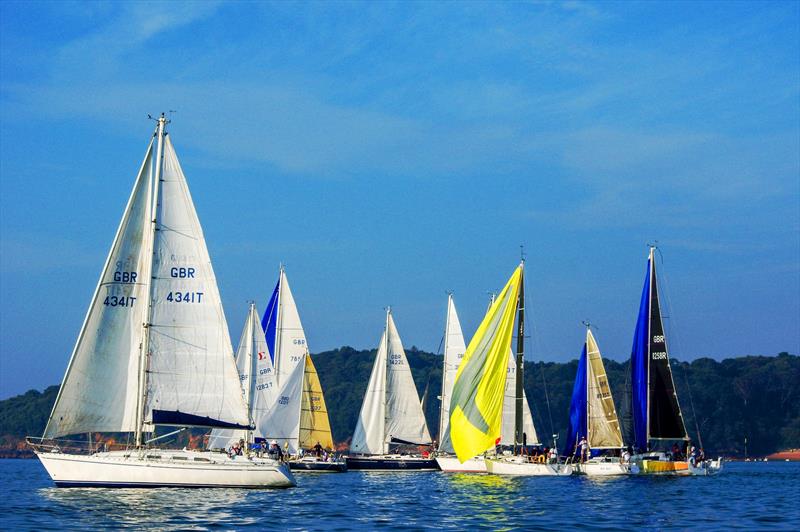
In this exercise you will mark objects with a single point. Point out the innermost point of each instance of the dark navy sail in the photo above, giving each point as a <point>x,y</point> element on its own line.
<point>665,418</point>
<point>578,425</point>
<point>654,403</point>
<point>270,320</point>
<point>639,355</point>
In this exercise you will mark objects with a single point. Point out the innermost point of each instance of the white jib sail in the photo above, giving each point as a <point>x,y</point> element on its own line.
<point>405,420</point>
<point>257,377</point>
<point>100,388</point>
<point>601,414</point>
<point>191,368</point>
<point>509,408</point>
<point>454,348</point>
<point>368,437</point>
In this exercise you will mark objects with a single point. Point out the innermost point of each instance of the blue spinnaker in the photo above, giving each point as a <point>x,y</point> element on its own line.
<point>639,354</point>
<point>577,410</point>
<point>270,320</point>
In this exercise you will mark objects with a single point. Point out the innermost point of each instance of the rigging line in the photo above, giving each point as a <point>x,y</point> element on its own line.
<point>676,337</point>
<point>534,334</point>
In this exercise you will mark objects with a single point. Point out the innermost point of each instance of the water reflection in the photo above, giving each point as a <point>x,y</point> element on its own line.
<point>163,508</point>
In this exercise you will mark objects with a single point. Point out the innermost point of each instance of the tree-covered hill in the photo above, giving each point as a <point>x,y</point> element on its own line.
<point>756,397</point>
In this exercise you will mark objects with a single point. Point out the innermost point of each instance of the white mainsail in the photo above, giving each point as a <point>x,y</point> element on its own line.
<point>282,420</point>
<point>290,338</point>
<point>509,408</point>
<point>391,409</point>
<point>601,414</point>
<point>191,366</point>
<point>100,388</point>
<point>257,377</point>
<point>454,348</point>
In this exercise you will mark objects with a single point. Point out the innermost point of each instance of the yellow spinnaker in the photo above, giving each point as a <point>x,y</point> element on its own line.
<point>476,406</point>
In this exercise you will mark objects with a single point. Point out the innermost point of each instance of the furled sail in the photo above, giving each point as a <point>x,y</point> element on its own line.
<point>99,392</point>
<point>391,410</point>
<point>454,348</point>
<point>655,407</point>
<point>509,408</point>
<point>191,373</point>
<point>315,427</point>
<point>477,399</point>
<point>257,378</point>
<point>602,422</point>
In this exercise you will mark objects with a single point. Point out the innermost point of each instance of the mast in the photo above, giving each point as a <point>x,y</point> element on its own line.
<point>520,356</point>
<point>253,319</point>
<point>588,403</point>
<point>385,448</point>
<point>649,337</point>
<point>144,353</point>
<point>444,367</point>
<point>278,333</point>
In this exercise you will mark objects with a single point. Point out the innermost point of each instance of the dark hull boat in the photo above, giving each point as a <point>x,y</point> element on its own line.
<point>391,463</point>
<point>318,465</point>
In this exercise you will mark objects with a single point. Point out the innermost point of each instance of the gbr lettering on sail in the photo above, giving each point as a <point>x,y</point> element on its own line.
<point>658,343</point>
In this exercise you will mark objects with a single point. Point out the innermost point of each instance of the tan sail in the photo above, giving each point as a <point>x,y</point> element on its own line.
<point>314,423</point>
<point>604,431</point>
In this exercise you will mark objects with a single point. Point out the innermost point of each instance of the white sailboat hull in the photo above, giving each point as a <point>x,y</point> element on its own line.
<point>164,469</point>
<point>450,464</point>
<point>603,469</point>
<point>519,466</point>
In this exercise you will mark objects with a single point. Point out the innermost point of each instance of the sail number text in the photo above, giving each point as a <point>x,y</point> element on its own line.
<point>185,297</point>
<point>396,359</point>
<point>119,301</point>
<point>659,355</point>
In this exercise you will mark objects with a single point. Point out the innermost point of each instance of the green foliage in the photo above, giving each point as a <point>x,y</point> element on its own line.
<point>756,397</point>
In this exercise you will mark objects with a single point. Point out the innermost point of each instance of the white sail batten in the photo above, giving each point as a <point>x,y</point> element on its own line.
<point>454,348</point>
<point>509,408</point>
<point>601,414</point>
<point>190,364</point>
<point>368,437</point>
<point>100,388</point>
<point>404,417</point>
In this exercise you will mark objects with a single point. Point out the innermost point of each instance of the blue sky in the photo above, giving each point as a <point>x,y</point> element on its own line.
<point>388,152</point>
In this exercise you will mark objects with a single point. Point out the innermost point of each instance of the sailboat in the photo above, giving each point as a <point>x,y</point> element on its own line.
<point>257,377</point>
<point>657,415</point>
<point>154,349</point>
<point>453,353</point>
<point>517,462</point>
<point>593,417</point>
<point>454,348</point>
<point>391,414</point>
<point>477,397</point>
<point>298,419</point>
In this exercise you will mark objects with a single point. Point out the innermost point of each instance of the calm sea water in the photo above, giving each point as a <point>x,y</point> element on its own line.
<point>746,495</point>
